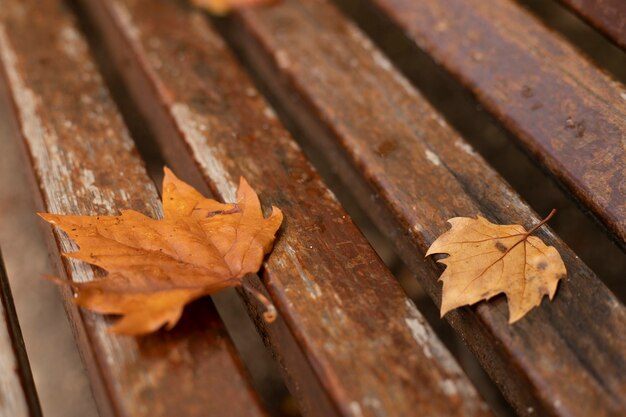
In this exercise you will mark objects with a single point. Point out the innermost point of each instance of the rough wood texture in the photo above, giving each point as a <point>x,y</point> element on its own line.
<point>413,172</point>
<point>85,163</point>
<point>18,397</point>
<point>362,348</point>
<point>568,114</point>
<point>608,16</point>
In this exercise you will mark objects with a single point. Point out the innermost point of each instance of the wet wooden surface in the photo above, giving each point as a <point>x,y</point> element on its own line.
<point>412,172</point>
<point>570,115</point>
<point>608,16</point>
<point>84,162</point>
<point>18,397</point>
<point>349,340</point>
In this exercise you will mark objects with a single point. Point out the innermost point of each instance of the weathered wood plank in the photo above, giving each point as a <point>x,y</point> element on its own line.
<point>361,347</point>
<point>18,396</point>
<point>608,16</point>
<point>566,112</point>
<point>84,162</point>
<point>413,172</point>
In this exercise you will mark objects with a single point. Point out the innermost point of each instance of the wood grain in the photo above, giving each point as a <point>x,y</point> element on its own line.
<point>84,162</point>
<point>412,172</point>
<point>608,16</point>
<point>349,340</point>
<point>570,115</point>
<point>18,396</point>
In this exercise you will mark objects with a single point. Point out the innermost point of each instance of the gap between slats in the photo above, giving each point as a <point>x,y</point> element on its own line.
<point>608,17</point>
<point>592,43</point>
<point>18,395</point>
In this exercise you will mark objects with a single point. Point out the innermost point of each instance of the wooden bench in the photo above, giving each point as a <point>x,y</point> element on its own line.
<point>348,340</point>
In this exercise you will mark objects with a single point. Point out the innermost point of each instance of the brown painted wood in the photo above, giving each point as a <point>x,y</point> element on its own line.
<point>85,163</point>
<point>608,16</point>
<point>18,396</point>
<point>566,112</point>
<point>361,347</point>
<point>412,172</point>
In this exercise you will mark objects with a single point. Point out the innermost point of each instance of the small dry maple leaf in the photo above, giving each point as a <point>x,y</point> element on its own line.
<point>223,7</point>
<point>156,267</point>
<point>487,259</point>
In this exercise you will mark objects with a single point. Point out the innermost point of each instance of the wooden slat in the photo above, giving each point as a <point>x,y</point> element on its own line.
<point>349,340</point>
<point>570,115</point>
<point>85,163</point>
<point>18,396</point>
<point>608,16</point>
<point>413,172</point>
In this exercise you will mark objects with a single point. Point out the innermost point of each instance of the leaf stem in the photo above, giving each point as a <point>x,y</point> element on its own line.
<point>270,311</point>
<point>544,221</point>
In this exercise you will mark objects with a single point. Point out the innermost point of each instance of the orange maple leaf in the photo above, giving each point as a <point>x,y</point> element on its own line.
<point>223,7</point>
<point>487,259</point>
<point>156,267</point>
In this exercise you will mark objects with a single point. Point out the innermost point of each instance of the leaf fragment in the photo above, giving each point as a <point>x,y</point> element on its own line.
<point>223,7</point>
<point>486,259</point>
<point>155,267</point>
